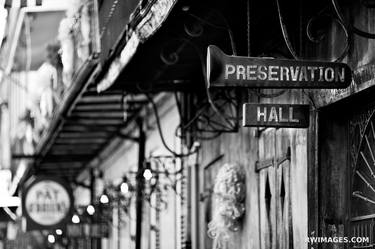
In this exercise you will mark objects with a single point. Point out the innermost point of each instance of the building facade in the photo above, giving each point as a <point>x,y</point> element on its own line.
<point>157,158</point>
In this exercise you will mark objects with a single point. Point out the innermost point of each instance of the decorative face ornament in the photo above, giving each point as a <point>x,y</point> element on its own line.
<point>229,195</point>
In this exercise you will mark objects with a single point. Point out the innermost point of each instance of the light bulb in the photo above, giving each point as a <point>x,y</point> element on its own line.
<point>75,219</point>
<point>104,199</point>
<point>147,174</point>
<point>90,209</point>
<point>59,232</point>
<point>51,239</point>
<point>185,8</point>
<point>124,188</point>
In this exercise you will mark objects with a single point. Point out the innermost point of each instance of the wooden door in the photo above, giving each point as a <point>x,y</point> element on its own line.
<point>275,195</point>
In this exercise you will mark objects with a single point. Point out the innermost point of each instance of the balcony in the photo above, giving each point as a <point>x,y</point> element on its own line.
<point>49,54</point>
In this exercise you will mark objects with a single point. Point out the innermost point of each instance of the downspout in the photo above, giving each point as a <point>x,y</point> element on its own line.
<point>140,184</point>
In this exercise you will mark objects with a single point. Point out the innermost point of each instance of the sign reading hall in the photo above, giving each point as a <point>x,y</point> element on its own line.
<point>275,115</point>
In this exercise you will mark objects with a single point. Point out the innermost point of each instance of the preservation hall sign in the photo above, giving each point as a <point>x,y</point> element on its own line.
<point>46,203</point>
<point>231,71</point>
<point>275,115</point>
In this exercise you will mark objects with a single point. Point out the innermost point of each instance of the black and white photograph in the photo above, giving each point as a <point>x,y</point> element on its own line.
<point>187,124</point>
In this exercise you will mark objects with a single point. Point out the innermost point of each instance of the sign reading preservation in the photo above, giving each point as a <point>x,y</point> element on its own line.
<point>46,203</point>
<point>231,71</point>
<point>275,115</point>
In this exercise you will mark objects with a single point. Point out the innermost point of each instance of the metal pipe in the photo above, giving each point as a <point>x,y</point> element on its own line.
<point>118,224</point>
<point>92,201</point>
<point>140,184</point>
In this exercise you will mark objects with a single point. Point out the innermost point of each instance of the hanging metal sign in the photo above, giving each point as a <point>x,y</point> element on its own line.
<point>47,202</point>
<point>275,115</point>
<point>236,71</point>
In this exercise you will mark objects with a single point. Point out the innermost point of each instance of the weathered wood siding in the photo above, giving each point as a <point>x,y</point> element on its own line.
<point>276,199</point>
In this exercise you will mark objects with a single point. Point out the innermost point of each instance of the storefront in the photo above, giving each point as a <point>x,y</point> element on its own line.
<point>157,151</point>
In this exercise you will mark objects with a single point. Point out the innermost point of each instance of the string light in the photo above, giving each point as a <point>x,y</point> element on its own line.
<point>124,187</point>
<point>104,199</point>
<point>147,174</point>
<point>120,194</point>
<point>51,239</point>
<point>90,209</point>
<point>75,219</point>
<point>59,232</point>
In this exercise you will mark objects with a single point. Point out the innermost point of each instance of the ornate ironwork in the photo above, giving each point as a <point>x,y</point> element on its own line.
<point>331,18</point>
<point>353,28</point>
<point>322,14</point>
<point>206,123</point>
<point>170,58</point>
<point>193,28</point>
<point>216,111</point>
<point>357,128</point>
<point>224,25</point>
<point>362,158</point>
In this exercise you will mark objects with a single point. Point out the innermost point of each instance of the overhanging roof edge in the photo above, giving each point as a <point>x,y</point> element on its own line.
<point>149,24</point>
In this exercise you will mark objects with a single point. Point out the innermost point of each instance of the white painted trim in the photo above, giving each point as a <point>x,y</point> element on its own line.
<point>33,9</point>
<point>14,42</point>
<point>10,201</point>
<point>21,17</point>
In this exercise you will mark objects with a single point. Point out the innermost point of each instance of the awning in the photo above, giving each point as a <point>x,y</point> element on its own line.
<point>156,14</point>
<point>173,58</point>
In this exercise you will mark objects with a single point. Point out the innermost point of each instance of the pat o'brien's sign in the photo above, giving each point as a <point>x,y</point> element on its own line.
<point>46,203</point>
<point>231,71</point>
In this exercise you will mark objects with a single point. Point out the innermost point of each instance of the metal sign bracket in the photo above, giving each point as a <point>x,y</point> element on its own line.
<point>259,165</point>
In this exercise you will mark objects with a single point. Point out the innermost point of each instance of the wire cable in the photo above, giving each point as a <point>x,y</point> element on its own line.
<point>226,27</point>
<point>285,33</point>
<point>158,125</point>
